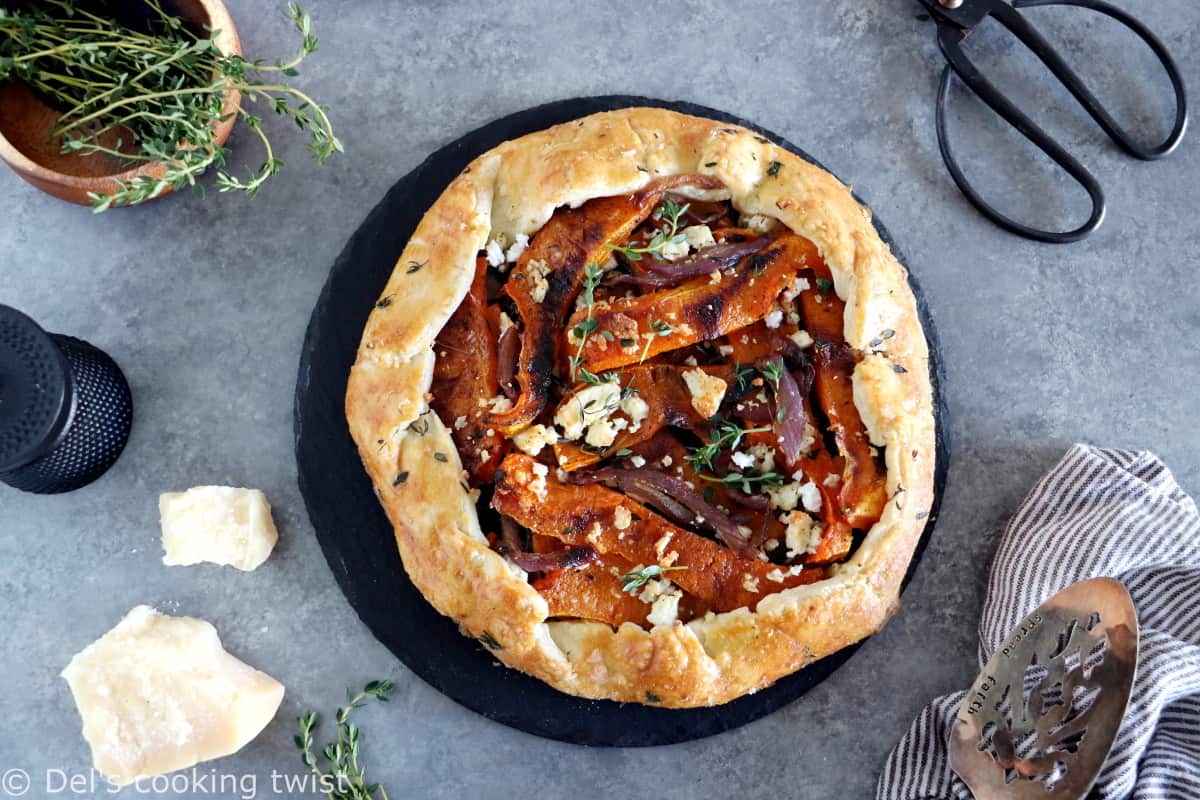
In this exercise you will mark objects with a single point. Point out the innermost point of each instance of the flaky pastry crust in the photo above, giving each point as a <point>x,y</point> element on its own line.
<point>414,465</point>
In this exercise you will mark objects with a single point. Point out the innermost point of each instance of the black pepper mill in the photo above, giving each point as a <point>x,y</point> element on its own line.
<point>65,408</point>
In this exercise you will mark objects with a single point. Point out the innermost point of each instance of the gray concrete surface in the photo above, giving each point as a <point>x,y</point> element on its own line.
<point>205,304</point>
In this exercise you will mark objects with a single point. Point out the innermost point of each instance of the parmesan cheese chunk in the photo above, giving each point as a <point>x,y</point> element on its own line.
<point>159,693</point>
<point>217,524</point>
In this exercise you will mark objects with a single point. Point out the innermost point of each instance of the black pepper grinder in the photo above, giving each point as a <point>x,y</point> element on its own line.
<point>65,408</point>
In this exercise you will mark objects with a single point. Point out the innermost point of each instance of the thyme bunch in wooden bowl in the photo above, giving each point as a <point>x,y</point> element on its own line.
<point>154,95</point>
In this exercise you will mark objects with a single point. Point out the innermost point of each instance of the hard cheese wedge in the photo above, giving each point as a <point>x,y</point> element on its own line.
<point>218,524</point>
<point>159,693</point>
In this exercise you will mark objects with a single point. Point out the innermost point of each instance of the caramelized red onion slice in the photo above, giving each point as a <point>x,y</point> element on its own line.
<point>572,558</point>
<point>713,259</point>
<point>510,547</point>
<point>790,417</point>
<point>508,352</point>
<point>676,499</point>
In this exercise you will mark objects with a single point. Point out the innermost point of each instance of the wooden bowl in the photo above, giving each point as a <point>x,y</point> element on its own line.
<point>25,122</point>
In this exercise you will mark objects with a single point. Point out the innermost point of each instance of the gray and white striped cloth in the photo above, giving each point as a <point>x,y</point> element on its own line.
<point>1099,512</point>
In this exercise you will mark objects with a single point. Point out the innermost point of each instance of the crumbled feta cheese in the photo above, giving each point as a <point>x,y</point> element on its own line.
<point>622,518</point>
<point>759,223</point>
<point>699,236</point>
<point>771,544</point>
<point>750,583</point>
<point>590,405</point>
<point>773,318</point>
<point>785,497</point>
<point>803,533</point>
<point>691,361</point>
<point>505,322</point>
<point>498,404</point>
<point>725,350</point>
<point>484,456</point>
<point>561,474</point>
<point>534,438</point>
<point>537,270</point>
<point>810,497</point>
<point>797,286</point>
<point>707,391</point>
<point>538,484</point>
<point>802,339</point>
<point>674,250</point>
<point>665,609</point>
<point>636,409</point>
<point>743,461</point>
<point>638,461</point>
<point>764,457</point>
<point>460,423</point>
<point>775,575</point>
<point>517,248</point>
<point>666,461</point>
<point>832,479</point>
<point>660,547</point>
<point>653,588</point>
<point>495,253</point>
<point>603,432</point>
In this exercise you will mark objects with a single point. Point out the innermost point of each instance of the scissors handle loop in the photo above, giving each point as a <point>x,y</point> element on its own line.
<point>950,40</point>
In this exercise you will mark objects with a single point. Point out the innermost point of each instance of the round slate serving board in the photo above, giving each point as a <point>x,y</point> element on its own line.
<point>357,539</point>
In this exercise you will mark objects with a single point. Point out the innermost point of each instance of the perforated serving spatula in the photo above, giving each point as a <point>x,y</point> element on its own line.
<point>1040,719</point>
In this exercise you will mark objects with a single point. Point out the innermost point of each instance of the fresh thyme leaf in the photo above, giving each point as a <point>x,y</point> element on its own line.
<point>441,457</point>
<point>591,279</point>
<point>592,379</point>
<point>624,451</point>
<point>825,285</point>
<point>414,266</point>
<point>640,577</point>
<point>743,373</point>
<point>400,478</point>
<point>726,436</point>
<point>773,371</point>
<point>585,327</point>
<point>338,764</point>
<point>164,91</point>
<point>384,302</point>
<point>661,328</point>
<point>773,169</point>
<point>746,479</point>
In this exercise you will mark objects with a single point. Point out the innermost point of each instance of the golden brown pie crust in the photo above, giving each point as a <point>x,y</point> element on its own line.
<point>411,458</point>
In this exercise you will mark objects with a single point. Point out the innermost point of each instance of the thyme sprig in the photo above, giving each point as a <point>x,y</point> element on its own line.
<point>343,777</point>
<point>640,577</point>
<point>668,211</point>
<point>746,480</point>
<point>591,279</point>
<point>154,97</point>
<point>726,436</point>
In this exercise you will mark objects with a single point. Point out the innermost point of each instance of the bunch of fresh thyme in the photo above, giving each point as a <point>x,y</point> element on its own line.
<point>153,97</point>
<point>343,777</point>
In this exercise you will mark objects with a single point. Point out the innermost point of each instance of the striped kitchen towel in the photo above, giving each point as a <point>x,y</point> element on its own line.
<point>1099,512</point>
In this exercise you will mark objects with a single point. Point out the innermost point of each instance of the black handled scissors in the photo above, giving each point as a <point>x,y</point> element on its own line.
<point>956,19</point>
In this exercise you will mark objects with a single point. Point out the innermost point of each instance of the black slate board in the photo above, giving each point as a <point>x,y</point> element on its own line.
<point>357,539</point>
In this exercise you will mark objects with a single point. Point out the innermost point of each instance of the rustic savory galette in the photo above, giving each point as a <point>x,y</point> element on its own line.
<point>647,402</point>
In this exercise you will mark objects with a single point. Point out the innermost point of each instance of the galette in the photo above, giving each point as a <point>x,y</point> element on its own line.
<point>647,402</point>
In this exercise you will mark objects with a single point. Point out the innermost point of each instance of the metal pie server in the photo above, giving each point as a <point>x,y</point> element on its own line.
<point>1041,718</point>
